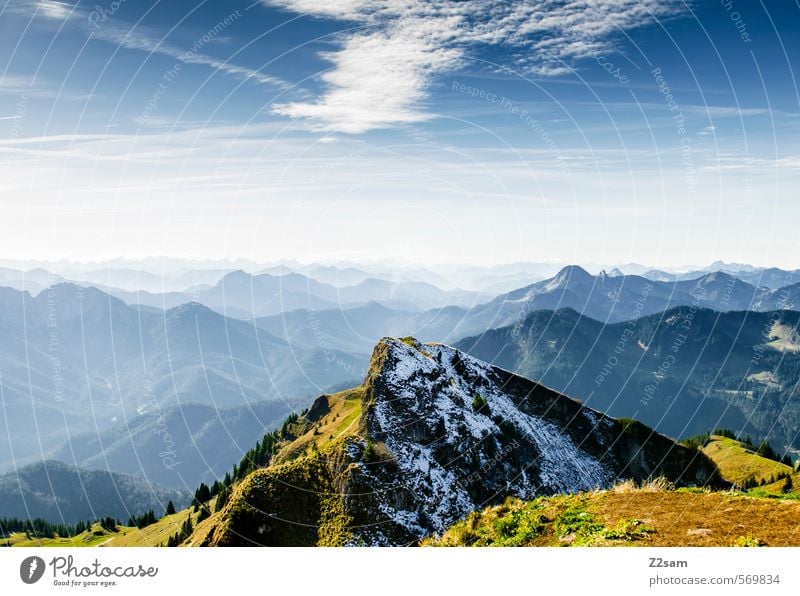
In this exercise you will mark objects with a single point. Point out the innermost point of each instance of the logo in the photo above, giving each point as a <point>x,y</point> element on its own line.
<point>31,569</point>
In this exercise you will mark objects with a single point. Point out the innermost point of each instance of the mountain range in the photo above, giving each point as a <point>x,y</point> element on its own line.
<point>75,360</point>
<point>602,297</point>
<point>683,371</point>
<point>90,379</point>
<point>242,295</point>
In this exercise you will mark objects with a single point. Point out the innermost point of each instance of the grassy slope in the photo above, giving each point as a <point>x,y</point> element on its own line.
<point>302,460</point>
<point>316,436</point>
<point>309,438</point>
<point>96,536</point>
<point>737,462</point>
<point>155,534</point>
<point>626,516</point>
<point>631,517</point>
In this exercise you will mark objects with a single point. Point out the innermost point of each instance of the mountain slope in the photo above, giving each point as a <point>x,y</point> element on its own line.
<point>683,371</point>
<point>431,435</point>
<point>176,446</point>
<point>61,493</point>
<point>75,359</point>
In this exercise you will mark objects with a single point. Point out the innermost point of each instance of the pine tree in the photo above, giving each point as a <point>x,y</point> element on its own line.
<point>788,485</point>
<point>170,508</point>
<point>222,499</point>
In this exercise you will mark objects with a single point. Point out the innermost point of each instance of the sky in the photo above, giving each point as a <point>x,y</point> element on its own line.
<point>473,131</point>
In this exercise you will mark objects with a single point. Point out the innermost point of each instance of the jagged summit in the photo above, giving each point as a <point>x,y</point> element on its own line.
<point>431,435</point>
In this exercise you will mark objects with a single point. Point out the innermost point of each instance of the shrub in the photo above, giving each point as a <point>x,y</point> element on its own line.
<point>479,404</point>
<point>369,454</point>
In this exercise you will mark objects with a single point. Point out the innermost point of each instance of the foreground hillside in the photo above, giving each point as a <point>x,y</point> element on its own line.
<point>627,516</point>
<point>653,515</point>
<point>430,436</point>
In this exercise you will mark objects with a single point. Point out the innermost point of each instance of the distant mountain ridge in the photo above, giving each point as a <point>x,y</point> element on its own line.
<point>683,371</point>
<point>74,359</point>
<point>243,295</point>
<point>61,493</point>
<point>177,446</point>
<point>620,298</point>
<point>769,277</point>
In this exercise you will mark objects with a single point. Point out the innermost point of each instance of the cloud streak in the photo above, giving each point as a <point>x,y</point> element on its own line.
<point>137,38</point>
<point>380,74</point>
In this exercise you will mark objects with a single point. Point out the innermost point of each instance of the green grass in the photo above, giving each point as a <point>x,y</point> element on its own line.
<point>561,520</point>
<point>313,438</point>
<point>738,463</point>
<point>155,534</point>
<point>95,536</point>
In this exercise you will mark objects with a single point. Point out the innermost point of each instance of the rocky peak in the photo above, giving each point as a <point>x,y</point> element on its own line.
<point>442,434</point>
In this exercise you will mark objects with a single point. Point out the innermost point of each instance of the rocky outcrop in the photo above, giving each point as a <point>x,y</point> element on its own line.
<point>442,434</point>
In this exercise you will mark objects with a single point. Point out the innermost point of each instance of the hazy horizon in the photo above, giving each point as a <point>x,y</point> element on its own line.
<point>465,132</point>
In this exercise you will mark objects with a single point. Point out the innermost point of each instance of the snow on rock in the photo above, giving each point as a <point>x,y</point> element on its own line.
<point>453,456</point>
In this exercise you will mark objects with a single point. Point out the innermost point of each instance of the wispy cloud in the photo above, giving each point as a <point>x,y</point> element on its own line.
<point>139,38</point>
<point>58,11</point>
<point>380,74</point>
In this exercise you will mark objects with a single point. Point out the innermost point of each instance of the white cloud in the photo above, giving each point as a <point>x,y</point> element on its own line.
<point>57,11</point>
<point>377,80</point>
<point>380,74</point>
<point>138,38</point>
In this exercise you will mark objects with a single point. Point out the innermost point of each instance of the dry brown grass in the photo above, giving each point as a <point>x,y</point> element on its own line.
<point>676,517</point>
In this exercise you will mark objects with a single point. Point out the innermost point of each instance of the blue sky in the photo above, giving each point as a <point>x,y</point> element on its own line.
<point>457,131</point>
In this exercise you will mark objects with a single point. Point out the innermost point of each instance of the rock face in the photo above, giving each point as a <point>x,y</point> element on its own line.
<point>442,434</point>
